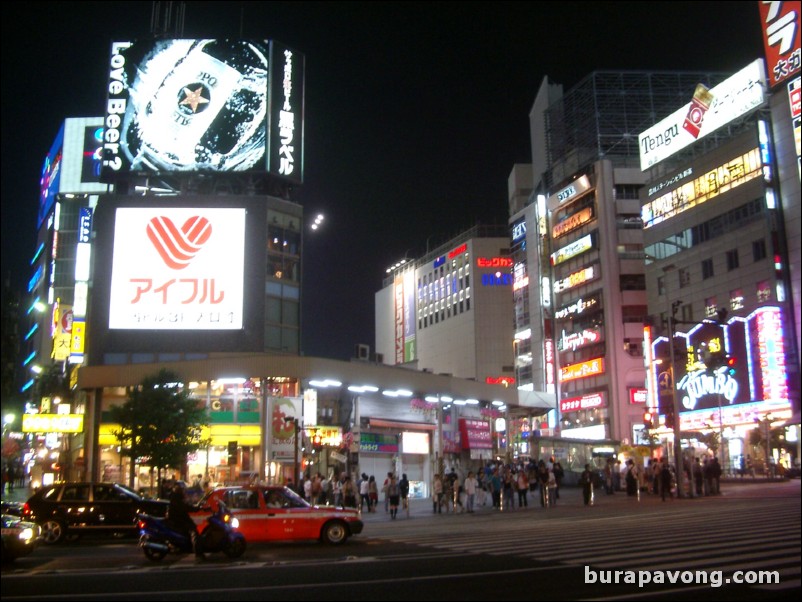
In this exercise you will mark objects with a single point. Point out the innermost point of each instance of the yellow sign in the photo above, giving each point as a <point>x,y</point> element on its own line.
<point>78,336</point>
<point>52,423</point>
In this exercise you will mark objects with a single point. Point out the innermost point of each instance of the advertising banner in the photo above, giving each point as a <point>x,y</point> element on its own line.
<point>186,106</point>
<point>781,39</point>
<point>282,411</point>
<point>178,269</point>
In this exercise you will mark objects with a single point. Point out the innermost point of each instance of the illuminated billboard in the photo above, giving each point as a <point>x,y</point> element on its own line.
<point>179,268</point>
<point>758,373</point>
<point>49,179</point>
<point>781,39</point>
<point>204,106</point>
<point>732,98</point>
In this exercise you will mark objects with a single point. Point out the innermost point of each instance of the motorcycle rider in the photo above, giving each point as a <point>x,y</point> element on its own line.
<point>178,513</point>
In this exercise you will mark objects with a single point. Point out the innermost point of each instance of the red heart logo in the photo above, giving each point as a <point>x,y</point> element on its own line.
<point>177,247</point>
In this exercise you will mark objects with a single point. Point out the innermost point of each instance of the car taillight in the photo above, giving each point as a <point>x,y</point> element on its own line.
<point>26,509</point>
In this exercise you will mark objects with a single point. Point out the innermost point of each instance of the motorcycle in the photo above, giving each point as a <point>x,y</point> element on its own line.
<point>158,537</point>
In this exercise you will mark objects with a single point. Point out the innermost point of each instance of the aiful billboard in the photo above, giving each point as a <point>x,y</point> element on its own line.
<point>204,106</point>
<point>177,268</point>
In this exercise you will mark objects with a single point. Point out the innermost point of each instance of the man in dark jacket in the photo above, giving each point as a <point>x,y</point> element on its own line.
<point>178,514</point>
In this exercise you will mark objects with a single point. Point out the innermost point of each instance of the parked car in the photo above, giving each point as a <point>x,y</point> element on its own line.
<point>273,513</point>
<point>20,537</point>
<point>71,509</point>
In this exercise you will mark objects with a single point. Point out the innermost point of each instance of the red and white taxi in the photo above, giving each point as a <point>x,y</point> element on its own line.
<point>273,513</point>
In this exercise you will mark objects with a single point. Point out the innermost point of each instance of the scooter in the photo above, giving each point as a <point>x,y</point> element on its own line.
<point>158,537</point>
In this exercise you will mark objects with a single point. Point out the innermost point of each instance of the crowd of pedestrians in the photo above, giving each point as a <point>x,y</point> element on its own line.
<point>504,487</point>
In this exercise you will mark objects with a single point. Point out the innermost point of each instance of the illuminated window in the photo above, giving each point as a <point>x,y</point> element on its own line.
<point>736,299</point>
<point>711,307</point>
<point>763,291</point>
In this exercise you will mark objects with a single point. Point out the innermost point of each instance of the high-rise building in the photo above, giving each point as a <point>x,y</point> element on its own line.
<point>579,282</point>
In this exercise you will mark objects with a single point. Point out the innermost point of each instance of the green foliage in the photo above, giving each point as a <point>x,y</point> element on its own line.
<point>159,422</point>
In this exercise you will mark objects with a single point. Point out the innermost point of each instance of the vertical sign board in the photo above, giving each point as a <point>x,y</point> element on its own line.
<point>286,101</point>
<point>781,39</point>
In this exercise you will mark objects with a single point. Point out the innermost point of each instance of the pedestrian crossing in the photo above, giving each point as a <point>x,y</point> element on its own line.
<point>740,535</point>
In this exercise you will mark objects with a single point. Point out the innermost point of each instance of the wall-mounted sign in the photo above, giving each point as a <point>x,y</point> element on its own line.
<point>518,230</point>
<point>52,423</point>
<point>592,367</point>
<point>583,402</point>
<point>500,380</point>
<point>734,172</point>
<point>781,39</point>
<point>573,249</point>
<point>578,278</point>
<point>569,193</point>
<point>577,340</point>
<point>493,262</point>
<point>579,306</point>
<point>638,396</point>
<point>572,222</point>
<point>732,98</point>
<point>463,248</point>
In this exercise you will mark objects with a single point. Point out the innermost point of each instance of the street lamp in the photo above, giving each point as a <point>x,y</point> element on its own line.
<point>294,421</point>
<point>679,464</point>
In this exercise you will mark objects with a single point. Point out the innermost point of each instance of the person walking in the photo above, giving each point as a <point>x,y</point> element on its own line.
<point>373,494</point>
<point>508,499</point>
<point>385,485</point>
<point>631,479</point>
<point>495,489</point>
<point>559,473</point>
<point>403,486</point>
<point>437,495</point>
<point>364,492</point>
<point>699,476</point>
<point>471,485</point>
<point>543,481</point>
<point>665,479</point>
<point>394,496</point>
<point>586,481</point>
<point>523,488</point>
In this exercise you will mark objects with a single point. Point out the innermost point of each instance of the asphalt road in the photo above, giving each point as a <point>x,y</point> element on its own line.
<point>568,552</point>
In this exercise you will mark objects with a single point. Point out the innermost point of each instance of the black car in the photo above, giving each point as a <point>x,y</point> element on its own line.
<point>19,537</point>
<point>71,509</point>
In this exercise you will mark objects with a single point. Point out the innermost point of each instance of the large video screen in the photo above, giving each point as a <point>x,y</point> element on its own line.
<point>187,106</point>
<point>178,268</point>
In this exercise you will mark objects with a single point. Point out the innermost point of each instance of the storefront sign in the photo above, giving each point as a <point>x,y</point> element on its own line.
<point>592,367</point>
<point>52,423</point>
<point>577,278</point>
<point>572,222</point>
<point>581,305</point>
<point>572,250</point>
<point>378,443</point>
<point>637,396</point>
<point>475,434</point>
<point>583,402</point>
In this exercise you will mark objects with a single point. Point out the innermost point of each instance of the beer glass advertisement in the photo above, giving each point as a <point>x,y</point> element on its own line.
<point>186,106</point>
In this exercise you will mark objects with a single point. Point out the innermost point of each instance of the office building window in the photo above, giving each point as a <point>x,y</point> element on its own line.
<point>707,269</point>
<point>732,260</point>
<point>759,250</point>
<point>684,277</point>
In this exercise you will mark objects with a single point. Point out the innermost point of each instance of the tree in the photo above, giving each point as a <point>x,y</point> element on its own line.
<point>159,423</point>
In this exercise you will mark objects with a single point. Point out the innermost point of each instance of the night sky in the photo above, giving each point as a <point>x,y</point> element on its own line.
<point>415,112</point>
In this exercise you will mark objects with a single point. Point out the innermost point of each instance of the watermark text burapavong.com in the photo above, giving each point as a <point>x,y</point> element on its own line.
<point>712,578</point>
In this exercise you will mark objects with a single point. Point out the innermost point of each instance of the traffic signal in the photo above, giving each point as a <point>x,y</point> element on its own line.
<point>648,419</point>
<point>731,365</point>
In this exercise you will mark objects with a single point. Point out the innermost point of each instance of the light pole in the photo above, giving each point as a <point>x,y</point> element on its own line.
<point>672,310</point>
<point>294,421</point>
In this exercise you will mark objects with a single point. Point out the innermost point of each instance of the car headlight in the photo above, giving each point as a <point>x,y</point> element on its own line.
<point>235,523</point>
<point>27,535</point>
